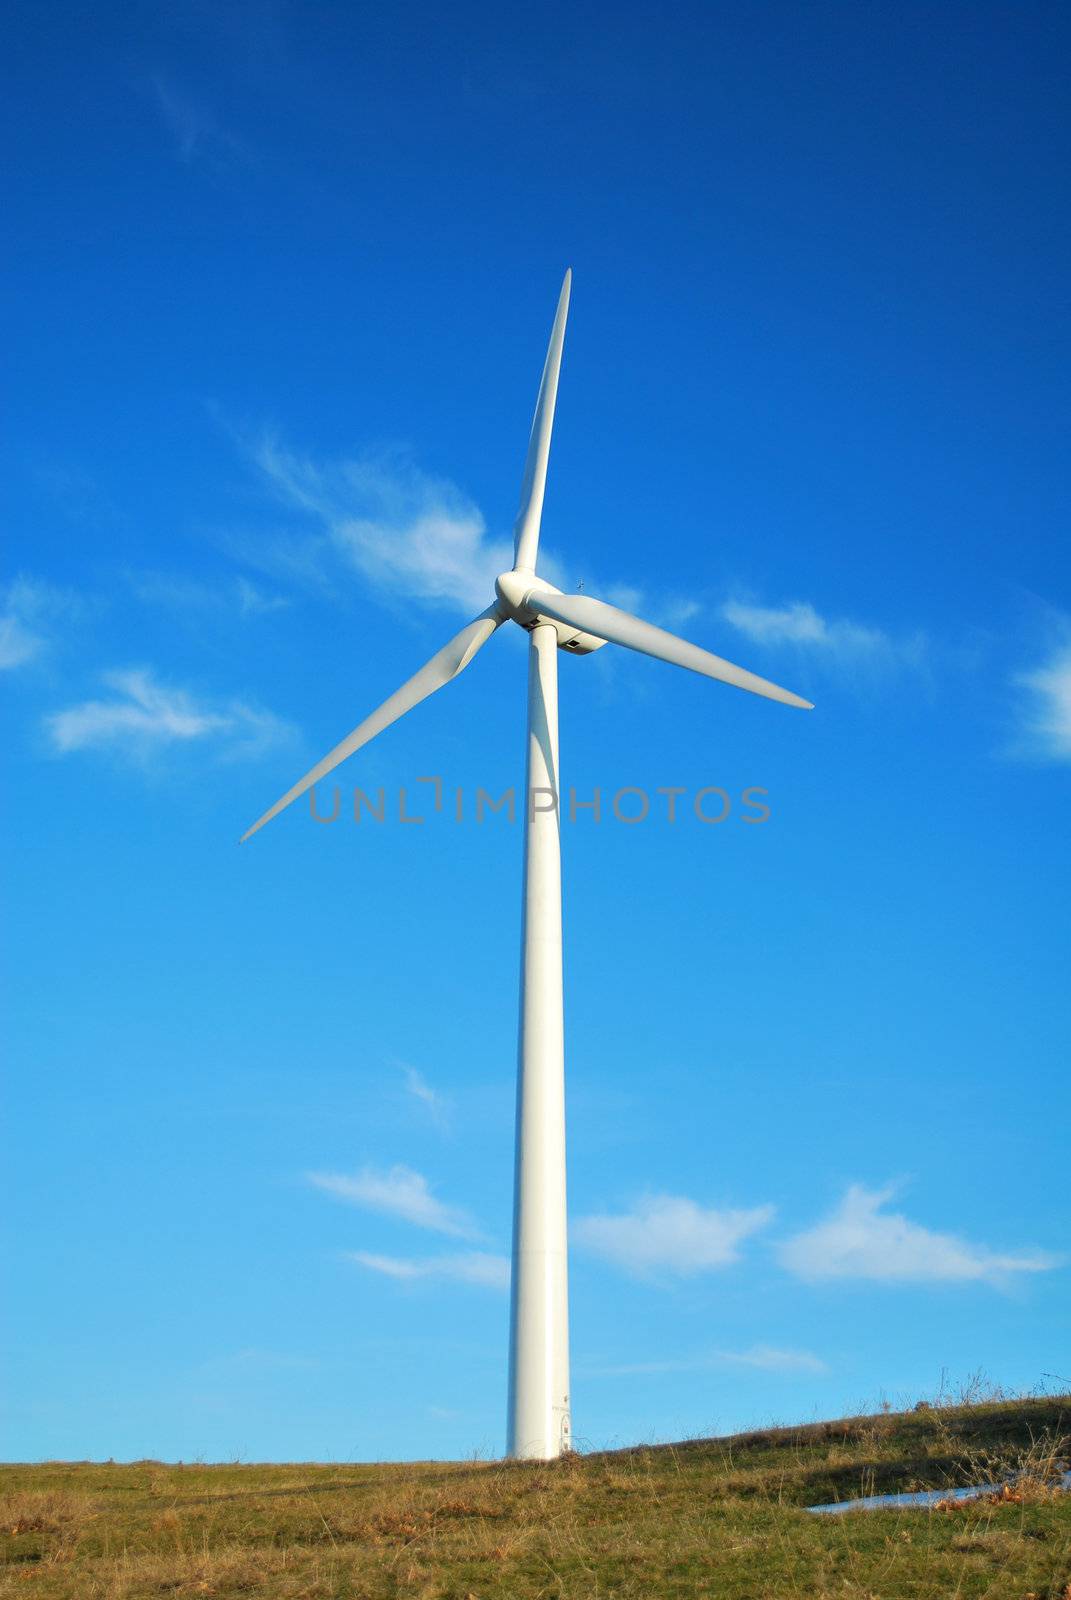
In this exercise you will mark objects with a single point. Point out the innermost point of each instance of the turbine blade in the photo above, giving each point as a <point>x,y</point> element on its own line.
<point>530,511</point>
<point>450,660</point>
<point>619,627</point>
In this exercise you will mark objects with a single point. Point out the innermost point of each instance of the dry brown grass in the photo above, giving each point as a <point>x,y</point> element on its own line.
<point>709,1518</point>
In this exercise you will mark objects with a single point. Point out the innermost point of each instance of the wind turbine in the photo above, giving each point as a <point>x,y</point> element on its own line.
<point>539,1417</point>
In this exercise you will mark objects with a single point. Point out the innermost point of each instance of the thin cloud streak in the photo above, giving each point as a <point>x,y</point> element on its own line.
<point>29,613</point>
<point>766,1358</point>
<point>769,1358</point>
<point>18,643</point>
<point>858,1240</point>
<point>474,1267</point>
<point>669,1234</point>
<point>1045,714</point>
<point>435,1105</point>
<point>399,1192</point>
<point>405,531</point>
<point>839,640</point>
<point>232,596</point>
<point>197,134</point>
<point>144,716</point>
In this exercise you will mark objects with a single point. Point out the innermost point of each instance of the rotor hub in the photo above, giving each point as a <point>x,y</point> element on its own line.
<point>518,594</point>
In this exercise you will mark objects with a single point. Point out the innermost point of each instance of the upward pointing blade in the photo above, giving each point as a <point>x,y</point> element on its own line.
<point>607,622</point>
<point>530,511</point>
<point>450,660</point>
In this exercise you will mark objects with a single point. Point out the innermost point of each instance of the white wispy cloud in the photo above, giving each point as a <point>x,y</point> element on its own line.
<point>676,612</point>
<point>399,1192</point>
<point>861,1240</point>
<point>670,1234</point>
<point>625,595</point>
<point>197,133</point>
<point>765,1357</point>
<point>30,612</point>
<point>668,611</point>
<point>253,602</point>
<point>232,595</point>
<point>1045,715</point>
<point>405,531</point>
<point>474,1266</point>
<point>771,1358</point>
<point>143,715</point>
<point>18,643</point>
<point>435,1104</point>
<point>799,624</point>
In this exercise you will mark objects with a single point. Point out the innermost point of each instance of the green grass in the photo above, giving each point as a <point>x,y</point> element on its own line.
<point>715,1517</point>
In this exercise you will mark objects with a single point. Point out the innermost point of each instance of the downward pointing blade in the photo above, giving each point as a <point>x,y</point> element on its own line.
<point>607,622</point>
<point>450,660</point>
<point>530,512</point>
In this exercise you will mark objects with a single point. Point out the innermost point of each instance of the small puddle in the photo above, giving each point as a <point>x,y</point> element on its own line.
<point>919,1497</point>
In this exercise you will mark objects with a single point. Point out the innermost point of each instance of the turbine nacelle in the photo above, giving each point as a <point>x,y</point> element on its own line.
<point>518,594</point>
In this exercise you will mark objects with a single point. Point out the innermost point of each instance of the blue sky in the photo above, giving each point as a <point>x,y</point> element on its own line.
<point>279,294</point>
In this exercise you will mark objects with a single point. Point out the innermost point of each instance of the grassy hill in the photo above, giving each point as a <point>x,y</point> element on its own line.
<point>714,1517</point>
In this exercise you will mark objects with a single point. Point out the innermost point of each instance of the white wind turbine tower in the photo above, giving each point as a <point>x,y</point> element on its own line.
<point>539,1421</point>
